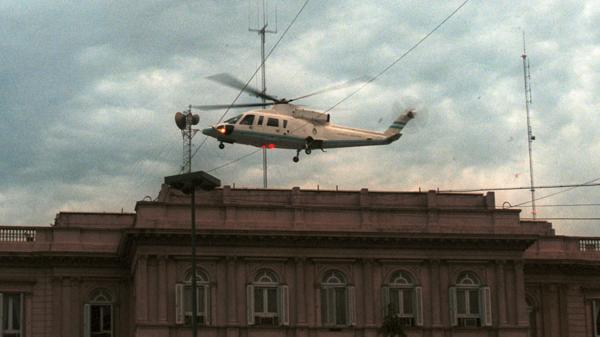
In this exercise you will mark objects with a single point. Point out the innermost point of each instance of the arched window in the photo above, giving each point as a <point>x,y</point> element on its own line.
<point>267,300</point>
<point>98,314</point>
<point>11,314</point>
<point>596,317</point>
<point>337,300</point>
<point>401,297</point>
<point>184,298</point>
<point>532,314</point>
<point>470,302</point>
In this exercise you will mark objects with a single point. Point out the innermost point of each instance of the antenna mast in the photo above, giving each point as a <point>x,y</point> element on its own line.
<point>530,136</point>
<point>262,31</point>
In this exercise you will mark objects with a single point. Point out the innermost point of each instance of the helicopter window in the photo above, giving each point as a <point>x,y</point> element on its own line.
<point>248,120</point>
<point>260,120</point>
<point>273,122</point>
<point>233,120</point>
<point>285,123</point>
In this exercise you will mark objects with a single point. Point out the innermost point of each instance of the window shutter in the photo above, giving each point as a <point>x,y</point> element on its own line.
<point>179,304</point>
<point>486,306</point>
<point>1,313</point>
<point>452,302</point>
<point>385,295</point>
<point>284,308</point>
<point>22,312</point>
<point>418,306</point>
<point>250,303</point>
<point>206,304</point>
<point>351,306</point>
<point>86,320</point>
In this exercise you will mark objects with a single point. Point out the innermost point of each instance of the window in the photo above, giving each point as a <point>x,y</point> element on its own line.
<point>285,123</point>
<point>337,300</point>
<point>596,317</point>
<point>247,120</point>
<point>184,298</point>
<point>260,120</point>
<point>532,314</point>
<point>11,315</point>
<point>273,122</point>
<point>470,303</point>
<point>233,120</point>
<point>267,300</point>
<point>98,315</point>
<point>402,298</point>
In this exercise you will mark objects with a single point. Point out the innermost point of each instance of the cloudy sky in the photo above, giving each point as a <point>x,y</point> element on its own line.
<point>88,90</point>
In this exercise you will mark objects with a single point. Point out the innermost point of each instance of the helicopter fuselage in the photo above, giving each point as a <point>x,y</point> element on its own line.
<point>280,127</point>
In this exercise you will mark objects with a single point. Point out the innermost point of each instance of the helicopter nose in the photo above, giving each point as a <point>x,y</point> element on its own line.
<point>209,131</point>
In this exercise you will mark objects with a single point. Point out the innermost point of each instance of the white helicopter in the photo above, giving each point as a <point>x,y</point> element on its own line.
<point>289,126</point>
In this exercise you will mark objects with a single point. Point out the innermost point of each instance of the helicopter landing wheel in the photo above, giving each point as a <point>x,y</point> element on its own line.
<point>296,159</point>
<point>221,146</point>
<point>308,151</point>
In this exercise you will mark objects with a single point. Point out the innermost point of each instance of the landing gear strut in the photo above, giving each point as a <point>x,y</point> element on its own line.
<point>221,146</point>
<point>296,157</point>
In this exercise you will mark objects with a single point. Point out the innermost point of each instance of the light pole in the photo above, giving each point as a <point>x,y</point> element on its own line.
<point>188,183</point>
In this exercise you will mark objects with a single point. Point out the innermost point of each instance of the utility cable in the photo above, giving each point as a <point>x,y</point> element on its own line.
<point>555,193</point>
<point>401,56</point>
<point>518,188</point>
<point>233,161</point>
<point>253,75</point>
<point>559,205</point>
<point>542,219</point>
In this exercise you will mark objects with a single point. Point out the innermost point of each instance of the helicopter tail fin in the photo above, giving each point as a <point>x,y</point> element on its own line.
<point>399,123</point>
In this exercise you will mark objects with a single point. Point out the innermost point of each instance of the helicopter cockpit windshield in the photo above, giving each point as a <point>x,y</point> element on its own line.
<point>233,120</point>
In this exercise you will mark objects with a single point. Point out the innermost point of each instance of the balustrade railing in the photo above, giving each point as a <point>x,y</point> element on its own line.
<point>15,234</point>
<point>589,245</point>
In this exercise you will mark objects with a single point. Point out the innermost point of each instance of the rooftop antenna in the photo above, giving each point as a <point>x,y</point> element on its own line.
<point>261,29</point>
<point>184,121</point>
<point>530,136</point>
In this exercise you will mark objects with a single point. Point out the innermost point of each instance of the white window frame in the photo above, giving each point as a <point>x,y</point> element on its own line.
<point>468,285</point>
<point>265,281</point>
<point>9,313</point>
<point>100,297</point>
<point>202,307</point>
<point>332,281</point>
<point>402,285</point>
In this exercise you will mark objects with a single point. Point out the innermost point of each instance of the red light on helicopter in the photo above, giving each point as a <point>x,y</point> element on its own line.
<point>271,146</point>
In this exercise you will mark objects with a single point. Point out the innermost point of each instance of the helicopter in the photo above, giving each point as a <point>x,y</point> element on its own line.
<point>290,126</point>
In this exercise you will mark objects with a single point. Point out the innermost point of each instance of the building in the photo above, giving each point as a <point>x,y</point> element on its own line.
<point>300,263</point>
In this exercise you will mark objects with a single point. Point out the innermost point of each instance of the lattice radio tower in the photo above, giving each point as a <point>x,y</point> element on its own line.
<point>530,136</point>
<point>261,29</point>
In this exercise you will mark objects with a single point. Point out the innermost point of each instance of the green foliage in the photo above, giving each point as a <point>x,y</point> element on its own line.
<point>392,325</point>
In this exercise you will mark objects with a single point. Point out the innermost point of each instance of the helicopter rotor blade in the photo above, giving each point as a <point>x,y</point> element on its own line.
<point>230,81</point>
<point>228,106</point>
<point>332,88</point>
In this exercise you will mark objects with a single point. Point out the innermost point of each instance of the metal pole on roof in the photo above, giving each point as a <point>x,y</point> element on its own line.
<point>530,136</point>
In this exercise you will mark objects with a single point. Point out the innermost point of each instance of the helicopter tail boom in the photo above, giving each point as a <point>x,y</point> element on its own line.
<point>399,124</point>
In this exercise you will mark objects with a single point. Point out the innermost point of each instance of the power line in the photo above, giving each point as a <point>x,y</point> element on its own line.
<point>518,188</point>
<point>233,161</point>
<point>401,56</point>
<point>541,219</point>
<point>555,193</point>
<point>254,74</point>
<point>560,205</point>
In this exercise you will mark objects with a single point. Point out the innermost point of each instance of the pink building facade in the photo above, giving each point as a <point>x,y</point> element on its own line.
<point>300,263</point>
